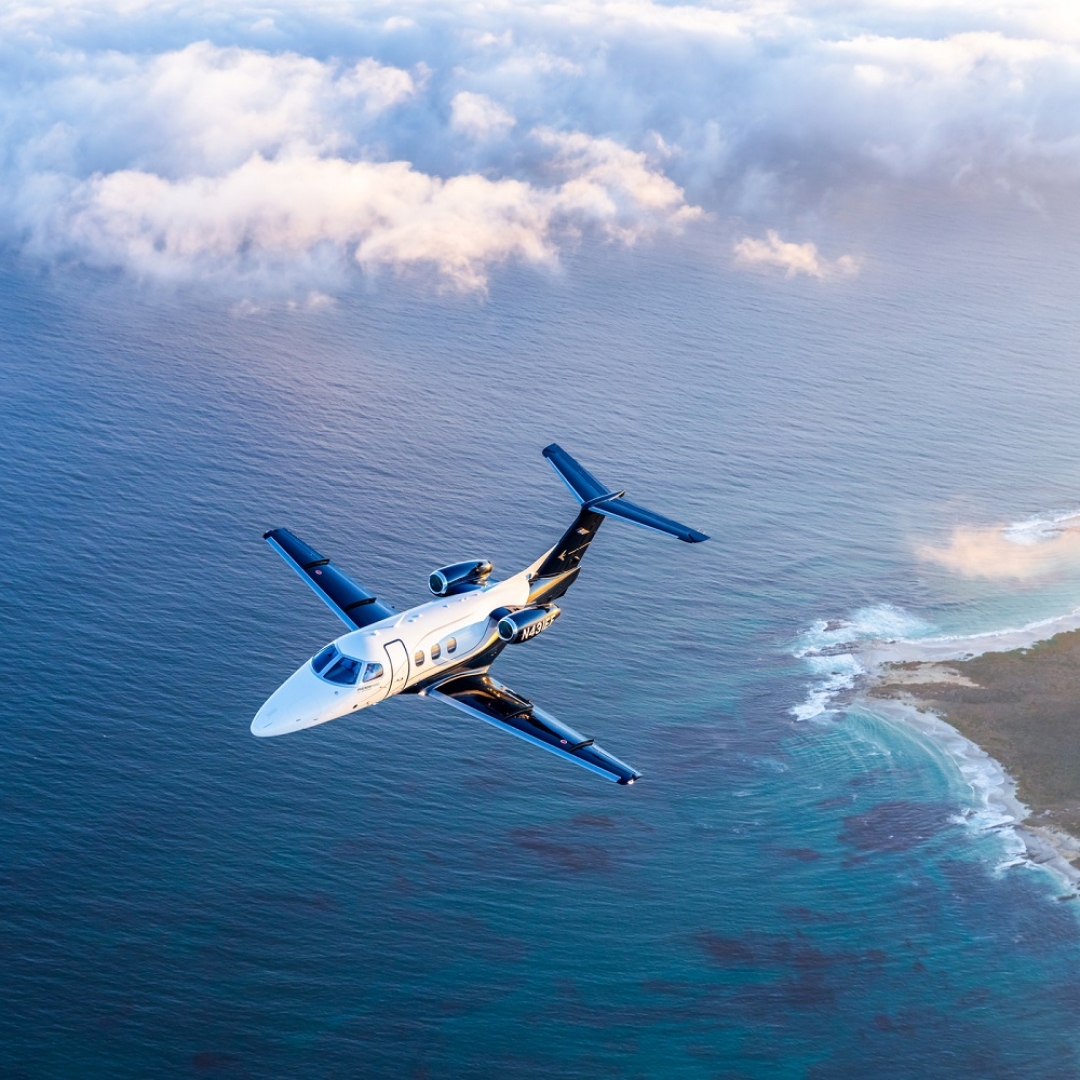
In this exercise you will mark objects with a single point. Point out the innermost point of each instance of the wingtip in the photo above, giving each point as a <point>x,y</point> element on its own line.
<point>694,537</point>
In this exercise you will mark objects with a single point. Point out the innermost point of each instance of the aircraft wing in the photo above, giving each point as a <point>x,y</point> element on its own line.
<point>482,697</point>
<point>351,603</point>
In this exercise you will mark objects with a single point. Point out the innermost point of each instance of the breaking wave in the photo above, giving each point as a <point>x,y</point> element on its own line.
<point>830,649</point>
<point>1035,530</point>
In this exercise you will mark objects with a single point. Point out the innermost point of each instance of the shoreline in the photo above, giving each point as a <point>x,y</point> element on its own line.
<point>954,648</point>
<point>1005,707</point>
<point>992,784</point>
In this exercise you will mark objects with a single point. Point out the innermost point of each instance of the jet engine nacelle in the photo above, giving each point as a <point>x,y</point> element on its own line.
<point>460,577</point>
<point>527,623</point>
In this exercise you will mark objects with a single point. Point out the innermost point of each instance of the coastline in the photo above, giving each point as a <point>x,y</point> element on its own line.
<point>1002,808</point>
<point>1006,707</point>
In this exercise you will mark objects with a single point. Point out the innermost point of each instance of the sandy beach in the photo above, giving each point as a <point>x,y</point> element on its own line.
<point>1022,707</point>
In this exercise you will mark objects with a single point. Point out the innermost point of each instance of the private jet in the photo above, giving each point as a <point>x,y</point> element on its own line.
<point>444,649</point>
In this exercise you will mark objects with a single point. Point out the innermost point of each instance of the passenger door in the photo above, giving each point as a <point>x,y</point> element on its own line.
<point>399,665</point>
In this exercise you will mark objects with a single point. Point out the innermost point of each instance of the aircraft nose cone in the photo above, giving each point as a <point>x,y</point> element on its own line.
<point>262,724</point>
<point>289,708</point>
<point>273,719</point>
<point>301,702</point>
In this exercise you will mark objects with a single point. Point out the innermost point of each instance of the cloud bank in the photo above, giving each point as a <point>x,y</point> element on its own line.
<point>452,138</point>
<point>382,213</point>
<point>1038,549</point>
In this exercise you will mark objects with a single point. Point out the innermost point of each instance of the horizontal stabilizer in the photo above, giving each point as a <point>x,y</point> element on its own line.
<point>599,499</point>
<point>638,515</point>
<point>351,603</point>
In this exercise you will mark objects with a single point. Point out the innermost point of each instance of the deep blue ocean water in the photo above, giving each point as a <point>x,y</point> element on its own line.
<point>410,893</point>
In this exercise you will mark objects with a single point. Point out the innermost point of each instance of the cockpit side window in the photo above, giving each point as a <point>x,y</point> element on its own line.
<point>320,662</point>
<point>374,671</point>
<point>345,671</point>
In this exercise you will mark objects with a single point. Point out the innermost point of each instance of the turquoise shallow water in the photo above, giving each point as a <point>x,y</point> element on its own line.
<point>410,894</point>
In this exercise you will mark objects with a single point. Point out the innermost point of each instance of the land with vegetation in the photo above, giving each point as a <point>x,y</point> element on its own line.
<point>1023,709</point>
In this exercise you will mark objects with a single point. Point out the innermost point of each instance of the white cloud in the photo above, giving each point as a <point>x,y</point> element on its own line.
<point>616,186</point>
<point>188,150</point>
<point>203,109</point>
<point>379,213</point>
<point>381,86</point>
<point>791,258</point>
<point>238,159</point>
<point>478,116</point>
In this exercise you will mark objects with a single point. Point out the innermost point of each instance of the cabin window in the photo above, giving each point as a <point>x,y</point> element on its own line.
<point>324,658</point>
<point>436,652</point>
<point>374,671</point>
<point>451,646</point>
<point>418,659</point>
<point>344,671</point>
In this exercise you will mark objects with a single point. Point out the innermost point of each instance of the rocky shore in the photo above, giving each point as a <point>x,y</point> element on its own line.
<point>1023,709</point>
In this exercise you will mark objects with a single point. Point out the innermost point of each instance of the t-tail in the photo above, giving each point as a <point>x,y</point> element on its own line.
<point>558,570</point>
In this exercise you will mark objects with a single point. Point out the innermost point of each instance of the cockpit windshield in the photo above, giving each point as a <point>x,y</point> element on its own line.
<point>333,667</point>
<point>344,671</point>
<point>324,658</point>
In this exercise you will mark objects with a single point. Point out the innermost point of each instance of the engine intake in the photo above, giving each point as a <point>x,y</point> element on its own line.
<point>527,623</point>
<point>460,577</point>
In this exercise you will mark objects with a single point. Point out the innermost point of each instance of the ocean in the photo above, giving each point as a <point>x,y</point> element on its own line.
<point>796,889</point>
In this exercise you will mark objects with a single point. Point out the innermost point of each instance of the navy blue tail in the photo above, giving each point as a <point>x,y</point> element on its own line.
<point>598,499</point>
<point>563,563</point>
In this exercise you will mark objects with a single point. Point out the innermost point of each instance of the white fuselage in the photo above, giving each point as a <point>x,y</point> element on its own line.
<point>409,648</point>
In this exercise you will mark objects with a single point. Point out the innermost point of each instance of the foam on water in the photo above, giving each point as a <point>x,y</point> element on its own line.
<point>830,649</point>
<point>995,805</point>
<point>875,653</point>
<point>1035,530</point>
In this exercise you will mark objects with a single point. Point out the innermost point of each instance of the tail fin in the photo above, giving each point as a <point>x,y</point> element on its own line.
<point>597,499</point>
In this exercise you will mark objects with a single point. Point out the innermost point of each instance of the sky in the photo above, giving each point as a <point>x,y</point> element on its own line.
<point>286,149</point>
